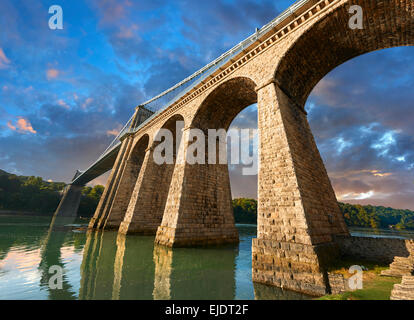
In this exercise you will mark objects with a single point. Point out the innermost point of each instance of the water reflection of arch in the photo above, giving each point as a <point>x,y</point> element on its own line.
<point>194,273</point>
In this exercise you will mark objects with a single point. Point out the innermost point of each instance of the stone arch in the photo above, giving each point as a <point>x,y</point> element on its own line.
<point>138,152</point>
<point>171,124</point>
<point>127,181</point>
<point>147,202</point>
<point>329,42</point>
<point>199,208</point>
<point>223,104</point>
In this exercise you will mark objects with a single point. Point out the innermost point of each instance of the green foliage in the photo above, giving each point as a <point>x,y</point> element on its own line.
<point>33,194</point>
<point>245,210</point>
<point>89,201</point>
<point>377,217</point>
<point>28,193</point>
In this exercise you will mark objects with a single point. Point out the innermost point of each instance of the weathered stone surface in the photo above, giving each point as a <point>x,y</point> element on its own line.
<point>127,181</point>
<point>293,266</point>
<point>147,203</point>
<point>401,266</point>
<point>111,186</point>
<point>337,283</point>
<point>405,290</point>
<point>375,249</point>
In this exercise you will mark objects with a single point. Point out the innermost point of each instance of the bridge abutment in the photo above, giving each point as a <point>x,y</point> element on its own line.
<point>69,204</point>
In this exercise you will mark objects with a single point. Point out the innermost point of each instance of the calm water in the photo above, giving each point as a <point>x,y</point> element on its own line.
<point>108,266</point>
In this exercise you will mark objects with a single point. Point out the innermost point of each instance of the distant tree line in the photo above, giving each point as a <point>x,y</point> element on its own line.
<point>33,194</point>
<point>245,211</point>
<point>377,216</point>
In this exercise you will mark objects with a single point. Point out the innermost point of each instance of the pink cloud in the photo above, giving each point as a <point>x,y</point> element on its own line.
<point>127,33</point>
<point>63,104</point>
<point>4,61</point>
<point>12,127</point>
<point>52,73</point>
<point>112,11</point>
<point>115,131</point>
<point>22,125</point>
<point>25,125</point>
<point>87,103</point>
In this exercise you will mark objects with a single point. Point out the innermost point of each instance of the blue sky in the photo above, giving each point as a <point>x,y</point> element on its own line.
<point>65,93</point>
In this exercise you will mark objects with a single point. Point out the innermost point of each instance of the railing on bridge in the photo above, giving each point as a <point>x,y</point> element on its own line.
<point>165,99</point>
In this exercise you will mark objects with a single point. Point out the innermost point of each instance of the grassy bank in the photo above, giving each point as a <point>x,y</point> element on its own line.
<point>375,286</point>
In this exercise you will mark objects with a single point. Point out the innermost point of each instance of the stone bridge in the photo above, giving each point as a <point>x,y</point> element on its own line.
<point>298,215</point>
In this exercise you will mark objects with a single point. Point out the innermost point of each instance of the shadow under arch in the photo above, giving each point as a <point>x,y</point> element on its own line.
<point>129,177</point>
<point>222,105</point>
<point>147,202</point>
<point>330,42</point>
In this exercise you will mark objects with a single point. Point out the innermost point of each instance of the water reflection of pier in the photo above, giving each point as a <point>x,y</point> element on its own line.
<point>51,256</point>
<point>119,267</point>
<point>115,266</point>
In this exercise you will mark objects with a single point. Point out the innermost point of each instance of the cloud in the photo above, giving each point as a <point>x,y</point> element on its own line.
<point>113,132</point>
<point>22,125</point>
<point>127,32</point>
<point>63,104</point>
<point>4,61</point>
<point>87,102</point>
<point>356,196</point>
<point>361,116</point>
<point>52,73</point>
<point>12,127</point>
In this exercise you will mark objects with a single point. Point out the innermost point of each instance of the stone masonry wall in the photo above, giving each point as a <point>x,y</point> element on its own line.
<point>128,178</point>
<point>110,188</point>
<point>199,209</point>
<point>375,249</point>
<point>148,200</point>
